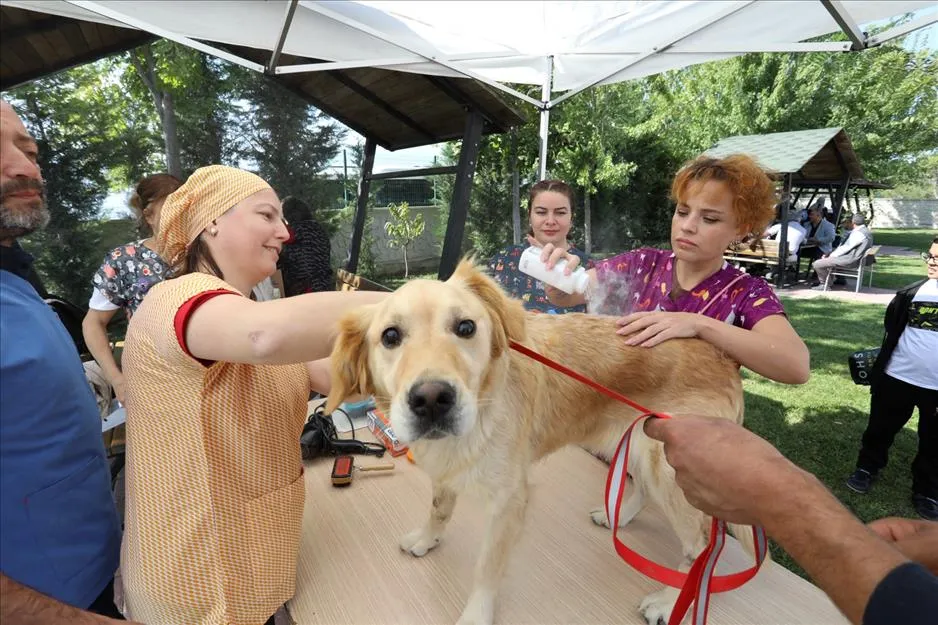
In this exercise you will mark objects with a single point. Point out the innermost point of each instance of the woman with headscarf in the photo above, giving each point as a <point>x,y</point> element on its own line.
<point>217,391</point>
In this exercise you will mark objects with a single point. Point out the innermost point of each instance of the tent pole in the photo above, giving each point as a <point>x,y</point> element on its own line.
<point>287,20</point>
<point>459,205</point>
<point>901,31</point>
<point>361,210</point>
<point>545,120</point>
<point>658,49</point>
<point>846,23</point>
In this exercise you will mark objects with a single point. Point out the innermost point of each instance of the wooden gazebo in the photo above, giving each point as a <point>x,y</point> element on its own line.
<point>815,162</point>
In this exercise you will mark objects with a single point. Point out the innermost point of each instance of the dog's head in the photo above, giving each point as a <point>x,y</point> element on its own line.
<point>428,352</point>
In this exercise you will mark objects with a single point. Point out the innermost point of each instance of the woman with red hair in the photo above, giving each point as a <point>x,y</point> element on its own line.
<point>689,290</point>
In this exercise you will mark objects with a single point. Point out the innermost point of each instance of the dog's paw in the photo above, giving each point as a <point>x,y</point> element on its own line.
<point>657,607</point>
<point>600,517</point>
<point>419,542</point>
<point>480,610</point>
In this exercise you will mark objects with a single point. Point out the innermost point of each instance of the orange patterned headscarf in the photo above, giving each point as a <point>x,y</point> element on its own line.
<point>206,195</point>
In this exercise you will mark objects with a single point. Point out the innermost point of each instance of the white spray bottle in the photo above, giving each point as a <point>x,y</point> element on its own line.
<point>530,264</point>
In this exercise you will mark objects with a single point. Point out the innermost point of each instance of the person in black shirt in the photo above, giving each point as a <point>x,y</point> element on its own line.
<point>306,257</point>
<point>881,574</point>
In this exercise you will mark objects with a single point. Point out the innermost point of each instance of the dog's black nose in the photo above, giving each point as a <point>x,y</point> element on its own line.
<point>431,400</point>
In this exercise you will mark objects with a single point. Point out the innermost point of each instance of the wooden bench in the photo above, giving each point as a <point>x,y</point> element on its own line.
<point>766,253</point>
<point>857,269</point>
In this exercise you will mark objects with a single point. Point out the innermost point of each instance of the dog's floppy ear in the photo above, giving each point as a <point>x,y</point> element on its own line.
<point>507,314</point>
<point>349,358</point>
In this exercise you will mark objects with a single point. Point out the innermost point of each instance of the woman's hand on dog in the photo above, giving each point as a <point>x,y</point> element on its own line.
<point>724,469</point>
<point>647,329</point>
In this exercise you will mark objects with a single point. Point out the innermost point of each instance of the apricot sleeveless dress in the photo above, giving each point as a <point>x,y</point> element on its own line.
<point>215,486</point>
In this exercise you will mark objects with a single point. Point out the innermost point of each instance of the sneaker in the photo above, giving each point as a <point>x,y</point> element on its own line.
<point>819,287</point>
<point>860,481</point>
<point>926,507</point>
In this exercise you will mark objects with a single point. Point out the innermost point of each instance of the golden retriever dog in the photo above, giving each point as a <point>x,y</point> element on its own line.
<point>477,414</point>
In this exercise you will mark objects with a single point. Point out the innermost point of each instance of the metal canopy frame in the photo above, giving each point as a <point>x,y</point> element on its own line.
<point>475,117</point>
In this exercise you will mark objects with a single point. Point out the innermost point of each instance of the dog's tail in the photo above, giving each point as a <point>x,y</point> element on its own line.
<point>743,533</point>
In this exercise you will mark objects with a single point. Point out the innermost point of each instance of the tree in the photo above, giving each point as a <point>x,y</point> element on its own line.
<point>289,141</point>
<point>144,62</point>
<point>191,97</point>
<point>589,134</point>
<point>885,98</point>
<point>402,229</point>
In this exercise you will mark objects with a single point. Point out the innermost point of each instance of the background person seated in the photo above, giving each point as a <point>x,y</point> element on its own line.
<point>795,236</point>
<point>847,253</point>
<point>820,234</point>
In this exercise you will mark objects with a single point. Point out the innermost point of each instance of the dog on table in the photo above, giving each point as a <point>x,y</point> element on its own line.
<point>477,414</point>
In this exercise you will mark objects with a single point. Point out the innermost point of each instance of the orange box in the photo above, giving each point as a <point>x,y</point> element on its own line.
<point>380,426</point>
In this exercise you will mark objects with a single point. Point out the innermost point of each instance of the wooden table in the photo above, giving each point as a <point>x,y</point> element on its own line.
<point>564,568</point>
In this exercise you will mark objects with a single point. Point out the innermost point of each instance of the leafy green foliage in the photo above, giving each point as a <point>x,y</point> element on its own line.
<point>287,140</point>
<point>403,229</point>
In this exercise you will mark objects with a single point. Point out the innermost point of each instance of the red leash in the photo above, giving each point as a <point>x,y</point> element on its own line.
<point>697,584</point>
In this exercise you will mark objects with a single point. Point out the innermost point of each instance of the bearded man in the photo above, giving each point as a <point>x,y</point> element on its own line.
<point>59,530</point>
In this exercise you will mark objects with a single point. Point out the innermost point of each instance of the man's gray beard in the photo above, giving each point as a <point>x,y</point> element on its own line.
<point>23,221</point>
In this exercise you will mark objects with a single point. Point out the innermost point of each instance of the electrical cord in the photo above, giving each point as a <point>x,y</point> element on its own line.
<point>320,438</point>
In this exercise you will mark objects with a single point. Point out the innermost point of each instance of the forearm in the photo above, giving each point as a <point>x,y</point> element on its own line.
<point>21,605</point>
<point>100,347</point>
<point>282,331</point>
<point>843,557</point>
<point>769,355</point>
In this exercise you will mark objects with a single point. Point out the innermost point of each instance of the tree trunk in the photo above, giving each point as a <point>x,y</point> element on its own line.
<point>406,271</point>
<point>171,137</point>
<point>587,228</point>
<point>163,103</point>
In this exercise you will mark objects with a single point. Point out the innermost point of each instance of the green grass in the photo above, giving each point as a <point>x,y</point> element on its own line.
<point>916,239</point>
<point>894,272</point>
<point>818,425</point>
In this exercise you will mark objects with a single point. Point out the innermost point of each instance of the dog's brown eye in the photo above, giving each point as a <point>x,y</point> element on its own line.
<point>465,328</point>
<point>391,337</point>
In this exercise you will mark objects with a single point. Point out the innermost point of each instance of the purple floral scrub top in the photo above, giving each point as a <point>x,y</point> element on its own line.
<point>640,280</point>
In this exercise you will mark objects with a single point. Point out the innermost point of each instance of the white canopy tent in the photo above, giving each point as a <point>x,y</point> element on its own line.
<point>563,47</point>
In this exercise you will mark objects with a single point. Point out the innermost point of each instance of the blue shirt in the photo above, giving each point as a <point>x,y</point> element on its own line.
<point>59,530</point>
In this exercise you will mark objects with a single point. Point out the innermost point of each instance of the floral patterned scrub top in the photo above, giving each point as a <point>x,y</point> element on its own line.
<point>126,276</point>
<point>641,280</point>
<point>504,268</point>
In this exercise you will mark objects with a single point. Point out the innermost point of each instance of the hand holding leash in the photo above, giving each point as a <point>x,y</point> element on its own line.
<point>724,469</point>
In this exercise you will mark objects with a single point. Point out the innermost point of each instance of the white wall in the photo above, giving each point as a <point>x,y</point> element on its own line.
<point>423,254</point>
<point>899,213</point>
